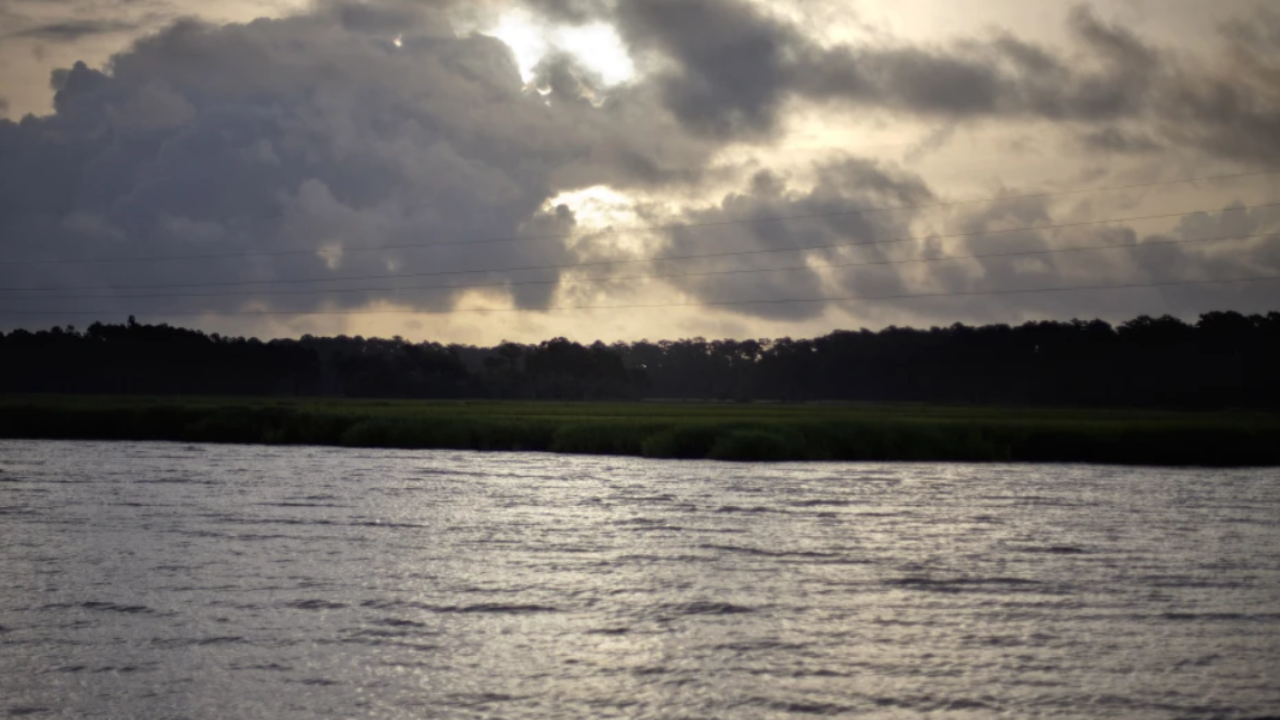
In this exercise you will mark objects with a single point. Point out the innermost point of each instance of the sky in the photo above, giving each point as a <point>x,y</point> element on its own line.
<point>485,170</point>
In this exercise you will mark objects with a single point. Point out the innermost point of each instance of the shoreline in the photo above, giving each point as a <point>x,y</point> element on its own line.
<point>917,433</point>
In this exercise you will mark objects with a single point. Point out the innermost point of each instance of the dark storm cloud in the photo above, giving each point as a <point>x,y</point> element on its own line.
<point>66,22</point>
<point>995,247</point>
<point>387,18</point>
<point>73,30</point>
<point>1115,140</point>
<point>313,136</point>
<point>1239,243</point>
<point>570,11</point>
<point>731,67</point>
<point>732,62</point>
<point>831,209</point>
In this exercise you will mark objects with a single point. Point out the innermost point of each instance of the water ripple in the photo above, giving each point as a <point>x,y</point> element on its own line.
<point>174,580</point>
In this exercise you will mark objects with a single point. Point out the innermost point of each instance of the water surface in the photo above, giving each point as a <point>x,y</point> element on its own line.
<point>150,580</point>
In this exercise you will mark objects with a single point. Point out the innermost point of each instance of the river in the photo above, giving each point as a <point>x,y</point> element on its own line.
<point>162,580</point>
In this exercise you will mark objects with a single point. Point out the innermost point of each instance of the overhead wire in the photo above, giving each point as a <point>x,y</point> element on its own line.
<point>628,261</point>
<point>709,273</point>
<point>700,303</point>
<point>659,259</point>
<point>644,229</point>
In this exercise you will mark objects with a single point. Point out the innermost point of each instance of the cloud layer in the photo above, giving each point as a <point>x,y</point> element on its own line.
<point>733,68</point>
<point>338,142</point>
<point>298,145</point>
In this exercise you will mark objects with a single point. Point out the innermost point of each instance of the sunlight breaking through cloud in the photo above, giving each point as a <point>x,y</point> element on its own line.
<point>596,46</point>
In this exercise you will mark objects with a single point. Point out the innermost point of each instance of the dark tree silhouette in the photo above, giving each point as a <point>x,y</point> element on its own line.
<point>1225,359</point>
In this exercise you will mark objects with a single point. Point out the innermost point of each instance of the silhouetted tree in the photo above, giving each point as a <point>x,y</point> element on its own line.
<point>1224,359</point>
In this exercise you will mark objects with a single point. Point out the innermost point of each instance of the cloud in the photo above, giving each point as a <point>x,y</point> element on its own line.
<point>1121,142</point>
<point>570,11</point>
<point>330,143</point>
<point>1230,243</point>
<point>994,248</point>
<point>731,61</point>
<point>934,141</point>
<point>830,211</point>
<point>728,68</point>
<point>295,145</point>
<point>66,23</point>
<point>68,31</point>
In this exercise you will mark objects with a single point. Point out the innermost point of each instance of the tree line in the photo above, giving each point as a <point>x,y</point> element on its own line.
<point>1225,359</point>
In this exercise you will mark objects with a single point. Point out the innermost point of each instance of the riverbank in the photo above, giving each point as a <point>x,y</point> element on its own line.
<point>742,432</point>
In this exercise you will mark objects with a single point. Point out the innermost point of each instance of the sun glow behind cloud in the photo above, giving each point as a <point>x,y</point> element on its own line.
<point>596,45</point>
<point>702,128</point>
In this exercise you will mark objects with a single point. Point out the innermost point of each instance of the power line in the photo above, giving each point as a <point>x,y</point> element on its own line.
<point>651,228</point>
<point>668,258</point>
<point>627,278</point>
<point>712,303</point>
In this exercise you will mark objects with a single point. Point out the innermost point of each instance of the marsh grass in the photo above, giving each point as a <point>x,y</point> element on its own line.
<point>773,432</point>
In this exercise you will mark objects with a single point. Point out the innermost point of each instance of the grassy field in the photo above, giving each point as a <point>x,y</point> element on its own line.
<point>671,430</point>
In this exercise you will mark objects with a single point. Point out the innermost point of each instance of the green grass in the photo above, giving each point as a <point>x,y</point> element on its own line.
<point>755,432</point>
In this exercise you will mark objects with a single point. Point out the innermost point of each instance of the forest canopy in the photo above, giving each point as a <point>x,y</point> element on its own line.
<point>1225,359</point>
